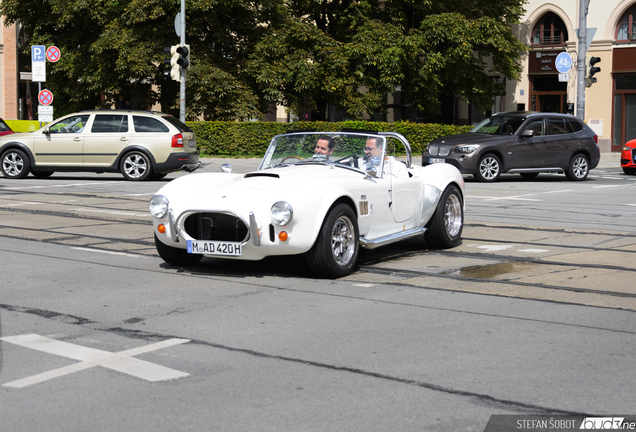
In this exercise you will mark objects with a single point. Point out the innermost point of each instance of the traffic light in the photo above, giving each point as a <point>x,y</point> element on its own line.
<point>179,58</point>
<point>590,69</point>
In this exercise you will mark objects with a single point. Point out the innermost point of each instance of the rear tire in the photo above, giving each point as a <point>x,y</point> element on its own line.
<point>136,166</point>
<point>15,164</point>
<point>42,174</point>
<point>336,249</point>
<point>579,168</point>
<point>446,225</point>
<point>175,256</point>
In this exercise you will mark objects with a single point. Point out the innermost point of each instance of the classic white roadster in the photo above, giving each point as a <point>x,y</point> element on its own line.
<point>324,195</point>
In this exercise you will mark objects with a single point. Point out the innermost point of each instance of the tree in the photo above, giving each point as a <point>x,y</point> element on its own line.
<point>303,54</point>
<point>326,52</point>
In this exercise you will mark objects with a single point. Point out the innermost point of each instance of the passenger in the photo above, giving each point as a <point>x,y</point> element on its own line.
<point>373,154</point>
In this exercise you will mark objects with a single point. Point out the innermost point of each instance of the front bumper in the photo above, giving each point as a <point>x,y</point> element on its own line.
<point>465,163</point>
<point>628,158</point>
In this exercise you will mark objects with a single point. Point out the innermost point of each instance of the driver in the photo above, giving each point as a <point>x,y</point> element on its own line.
<point>324,148</point>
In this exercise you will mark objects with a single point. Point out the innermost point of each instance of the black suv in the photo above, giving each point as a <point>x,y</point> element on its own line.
<point>527,143</point>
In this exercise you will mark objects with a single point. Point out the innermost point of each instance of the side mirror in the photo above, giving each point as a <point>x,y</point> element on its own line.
<point>528,133</point>
<point>226,168</point>
<point>372,171</point>
<point>46,130</point>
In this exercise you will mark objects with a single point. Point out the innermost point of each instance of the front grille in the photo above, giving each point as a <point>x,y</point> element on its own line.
<point>216,226</point>
<point>444,151</point>
<point>634,155</point>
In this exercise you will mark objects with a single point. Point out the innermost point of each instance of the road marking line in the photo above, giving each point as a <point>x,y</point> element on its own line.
<point>533,250</point>
<point>559,191</point>
<point>118,213</point>
<point>605,186</point>
<point>61,185</point>
<point>108,252</point>
<point>514,198</point>
<point>363,285</point>
<point>122,361</point>
<point>491,248</point>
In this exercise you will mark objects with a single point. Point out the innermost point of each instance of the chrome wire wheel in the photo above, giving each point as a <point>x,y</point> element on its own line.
<point>453,219</point>
<point>343,240</point>
<point>489,168</point>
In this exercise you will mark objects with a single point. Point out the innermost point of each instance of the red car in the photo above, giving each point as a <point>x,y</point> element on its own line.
<point>4,128</point>
<point>628,157</point>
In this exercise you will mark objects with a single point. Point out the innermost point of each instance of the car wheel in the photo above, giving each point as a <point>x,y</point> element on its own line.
<point>175,256</point>
<point>15,164</point>
<point>336,249</point>
<point>136,166</point>
<point>629,171</point>
<point>488,169</point>
<point>446,225</point>
<point>579,168</point>
<point>529,176</point>
<point>42,174</point>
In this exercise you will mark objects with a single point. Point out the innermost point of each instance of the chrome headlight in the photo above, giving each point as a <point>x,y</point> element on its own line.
<point>282,213</point>
<point>466,148</point>
<point>158,206</point>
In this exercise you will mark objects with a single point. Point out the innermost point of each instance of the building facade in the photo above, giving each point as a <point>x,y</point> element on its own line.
<point>550,28</point>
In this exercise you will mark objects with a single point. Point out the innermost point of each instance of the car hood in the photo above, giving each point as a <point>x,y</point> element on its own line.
<point>18,136</point>
<point>246,192</point>
<point>471,138</point>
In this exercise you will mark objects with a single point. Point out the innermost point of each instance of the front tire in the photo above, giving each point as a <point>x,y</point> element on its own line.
<point>488,169</point>
<point>579,168</point>
<point>135,166</point>
<point>175,256</point>
<point>336,249</point>
<point>446,225</point>
<point>629,171</point>
<point>15,164</point>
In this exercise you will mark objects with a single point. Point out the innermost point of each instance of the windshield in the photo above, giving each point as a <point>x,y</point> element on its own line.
<point>355,150</point>
<point>499,125</point>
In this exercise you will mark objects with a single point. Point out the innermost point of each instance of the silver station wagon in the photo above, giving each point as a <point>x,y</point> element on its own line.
<point>138,144</point>
<point>526,143</point>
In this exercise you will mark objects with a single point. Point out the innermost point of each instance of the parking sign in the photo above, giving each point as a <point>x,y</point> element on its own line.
<point>38,63</point>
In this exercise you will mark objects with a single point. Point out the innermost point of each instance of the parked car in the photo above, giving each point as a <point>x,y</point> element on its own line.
<point>138,144</point>
<point>527,143</point>
<point>321,195</point>
<point>628,157</point>
<point>4,128</point>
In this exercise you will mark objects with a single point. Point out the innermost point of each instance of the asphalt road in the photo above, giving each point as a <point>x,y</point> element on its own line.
<point>533,314</point>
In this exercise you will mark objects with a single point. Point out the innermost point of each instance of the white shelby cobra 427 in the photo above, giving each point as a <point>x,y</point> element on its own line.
<point>324,195</point>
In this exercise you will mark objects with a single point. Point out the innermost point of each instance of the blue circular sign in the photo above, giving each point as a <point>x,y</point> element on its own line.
<point>563,62</point>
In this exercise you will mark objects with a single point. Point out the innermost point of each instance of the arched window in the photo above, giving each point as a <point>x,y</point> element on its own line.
<point>626,29</point>
<point>550,30</point>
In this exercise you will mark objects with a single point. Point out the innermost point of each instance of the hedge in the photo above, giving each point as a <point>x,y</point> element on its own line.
<point>218,138</point>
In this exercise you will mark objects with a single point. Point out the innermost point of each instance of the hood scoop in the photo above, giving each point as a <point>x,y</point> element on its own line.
<point>261,174</point>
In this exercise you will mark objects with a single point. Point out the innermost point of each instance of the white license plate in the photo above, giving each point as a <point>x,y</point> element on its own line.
<point>436,160</point>
<point>211,247</point>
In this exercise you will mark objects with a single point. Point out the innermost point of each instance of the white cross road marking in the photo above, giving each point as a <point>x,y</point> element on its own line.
<point>90,357</point>
<point>492,248</point>
<point>559,191</point>
<point>605,186</point>
<point>113,212</point>
<point>62,185</point>
<point>533,250</point>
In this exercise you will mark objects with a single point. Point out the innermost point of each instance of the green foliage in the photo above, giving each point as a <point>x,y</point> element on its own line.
<point>303,54</point>
<point>220,138</point>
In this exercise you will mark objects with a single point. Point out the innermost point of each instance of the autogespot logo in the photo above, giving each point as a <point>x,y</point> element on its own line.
<point>606,423</point>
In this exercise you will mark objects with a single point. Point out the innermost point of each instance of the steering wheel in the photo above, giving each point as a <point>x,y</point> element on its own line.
<point>291,157</point>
